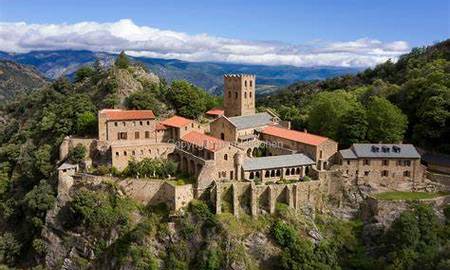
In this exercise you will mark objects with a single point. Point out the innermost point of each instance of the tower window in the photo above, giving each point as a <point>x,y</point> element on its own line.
<point>251,83</point>
<point>250,94</point>
<point>235,95</point>
<point>245,94</point>
<point>245,83</point>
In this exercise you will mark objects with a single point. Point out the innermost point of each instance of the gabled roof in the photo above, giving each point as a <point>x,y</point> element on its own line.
<point>273,162</point>
<point>176,121</point>
<point>216,111</point>
<point>294,135</point>
<point>370,150</point>
<point>347,154</point>
<point>251,121</point>
<point>117,115</point>
<point>204,141</point>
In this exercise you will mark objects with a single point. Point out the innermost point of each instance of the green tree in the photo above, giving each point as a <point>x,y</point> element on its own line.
<point>144,100</point>
<point>77,154</point>
<point>327,109</point>
<point>9,248</point>
<point>122,60</point>
<point>83,73</point>
<point>353,127</point>
<point>41,198</point>
<point>387,123</point>
<point>86,123</point>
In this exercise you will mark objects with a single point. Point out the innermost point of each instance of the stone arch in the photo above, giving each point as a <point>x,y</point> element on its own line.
<point>278,172</point>
<point>249,152</point>
<point>252,175</point>
<point>263,201</point>
<point>191,167</point>
<point>272,173</point>
<point>293,171</point>
<point>282,197</point>
<point>257,175</point>
<point>288,172</point>
<point>267,174</point>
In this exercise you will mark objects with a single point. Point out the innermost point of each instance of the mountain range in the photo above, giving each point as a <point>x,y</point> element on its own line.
<point>208,75</point>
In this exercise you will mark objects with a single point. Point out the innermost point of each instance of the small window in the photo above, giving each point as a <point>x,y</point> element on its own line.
<point>366,173</point>
<point>124,153</point>
<point>252,175</point>
<point>117,153</point>
<point>320,154</point>
<point>245,94</point>
<point>250,94</point>
<point>136,135</point>
<point>225,157</point>
<point>122,136</point>
<point>245,83</point>
<point>348,162</point>
<point>147,134</point>
<point>140,123</point>
<point>115,124</point>
<point>251,83</point>
<point>408,162</point>
<point>185,128</point>
<point>148,123</point>
<point>192,125</point>
<point>133,153</point>
<point>385,162</point>
<point>407,173</point>
<point>235,95</point>
<point>124,124</point>
<point>366,162</point>
<point>384,173</point>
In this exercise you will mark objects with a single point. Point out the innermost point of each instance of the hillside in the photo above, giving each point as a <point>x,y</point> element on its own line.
<point>418,84</point>
<point>207,75</point>
<point>16,78</point>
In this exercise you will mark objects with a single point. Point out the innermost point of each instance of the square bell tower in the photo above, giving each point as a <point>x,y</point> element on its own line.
<point>239,94</point>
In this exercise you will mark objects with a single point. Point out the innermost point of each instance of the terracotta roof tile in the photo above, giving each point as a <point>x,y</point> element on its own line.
<point>160,126</point>
<point>293,135</point>
<point>216,111</point>
<point>205,141</point>
<point>176,121</point>
<point>112,114</point>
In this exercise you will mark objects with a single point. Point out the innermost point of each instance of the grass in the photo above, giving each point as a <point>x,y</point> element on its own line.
<point>408,196</point>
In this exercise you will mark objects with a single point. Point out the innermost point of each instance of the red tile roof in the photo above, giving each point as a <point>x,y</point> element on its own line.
<point>293,135</point>
<point>112,114</point>
<point>176,121</point>
<point>205,141</point>
<point>216,111</point>
<point>160,126</point>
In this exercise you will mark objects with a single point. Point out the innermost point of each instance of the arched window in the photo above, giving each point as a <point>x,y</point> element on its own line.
<point>133,153</point>
<point>288,172</point>
<point>267,174</point>
<point>272,173</point>
<point>297,171</point>
<point>257,174</point>
<point>292,171</point>
<point>278,172</point>
<point>250,94</point>
<point>252,175</point>
<point>117,153</point>
<point>245,94</point>
<point>251,83</point>
<point>225,157</point>
<point>124,153</point>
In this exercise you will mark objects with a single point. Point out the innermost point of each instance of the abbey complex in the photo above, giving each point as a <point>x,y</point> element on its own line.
<point>240,160</point>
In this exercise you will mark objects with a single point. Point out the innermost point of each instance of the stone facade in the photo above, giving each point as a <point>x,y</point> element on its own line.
<point>123,152</point>
<point>386,170</point>
<point>239,95</point>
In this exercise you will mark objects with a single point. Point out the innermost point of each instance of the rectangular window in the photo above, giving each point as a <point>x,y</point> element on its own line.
<point>366,162</point>
<point>366,173</point>
<point>384,173</point>
<point>136,135</point>
<point>408,162</point>
<point>147,134</point>
<point>385,162</point>
<point>122,136</point>
<point>320,155</point>
<point>348,162</point>
<point>406,174</point>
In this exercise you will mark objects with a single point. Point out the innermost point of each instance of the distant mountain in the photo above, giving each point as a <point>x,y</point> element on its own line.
<point>15,78</point>
<point>205,74</point>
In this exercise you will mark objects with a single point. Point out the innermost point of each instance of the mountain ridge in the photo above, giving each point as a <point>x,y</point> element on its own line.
<point>207,75</point>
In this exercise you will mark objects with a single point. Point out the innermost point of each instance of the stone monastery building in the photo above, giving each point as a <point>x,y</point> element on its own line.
<point>239,145</point>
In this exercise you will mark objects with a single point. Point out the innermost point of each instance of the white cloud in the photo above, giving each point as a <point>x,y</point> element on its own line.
<point>153,42</point>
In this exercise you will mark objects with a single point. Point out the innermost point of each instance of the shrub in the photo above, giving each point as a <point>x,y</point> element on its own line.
<point>9,248</point>
<point>77,154</point>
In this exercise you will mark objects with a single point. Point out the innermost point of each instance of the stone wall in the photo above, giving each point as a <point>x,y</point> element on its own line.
<point>122,153</point>
<point>70,142</point>
<point>247,198</point>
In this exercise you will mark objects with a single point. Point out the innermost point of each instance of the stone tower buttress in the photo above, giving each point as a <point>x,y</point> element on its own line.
<point>239,94</point>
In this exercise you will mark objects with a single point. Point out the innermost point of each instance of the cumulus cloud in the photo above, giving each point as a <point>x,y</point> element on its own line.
<point>153,42</point>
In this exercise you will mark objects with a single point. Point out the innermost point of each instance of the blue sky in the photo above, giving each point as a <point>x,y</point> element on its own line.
<point>312,24</point>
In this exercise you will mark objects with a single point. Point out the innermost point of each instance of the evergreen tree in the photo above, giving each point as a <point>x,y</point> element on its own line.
<point>122,60</point>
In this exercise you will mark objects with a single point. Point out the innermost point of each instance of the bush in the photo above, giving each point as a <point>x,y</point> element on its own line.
<point>84,72</point>
<point>151,168</point>
<point>9,248</point>
<point>77,154</point>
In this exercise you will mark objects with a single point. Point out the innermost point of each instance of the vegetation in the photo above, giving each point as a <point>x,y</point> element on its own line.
<point>152,168</point>
<point>407,100</point>
<point>408,196</point>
